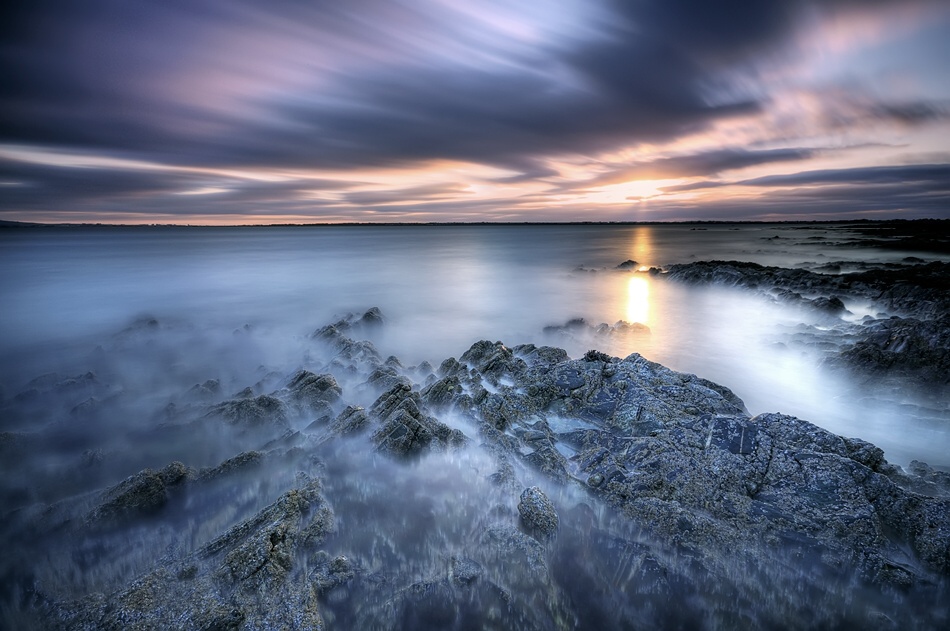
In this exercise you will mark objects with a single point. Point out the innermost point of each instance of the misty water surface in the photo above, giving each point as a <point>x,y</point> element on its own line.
<point>442,288</point>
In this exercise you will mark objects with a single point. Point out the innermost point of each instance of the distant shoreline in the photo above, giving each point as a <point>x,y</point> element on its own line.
<point>838,222</point>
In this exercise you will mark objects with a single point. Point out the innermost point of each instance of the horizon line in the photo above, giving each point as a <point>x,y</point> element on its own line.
<point>4,223</point>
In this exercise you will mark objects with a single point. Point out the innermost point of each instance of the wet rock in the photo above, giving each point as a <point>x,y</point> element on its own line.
<point>830,305</point>
<point>548,460</point>
<point>914,347</point>
<point>314,390</point>
<point>596,356</point>
<point>864,452</point>
<point>140,494</point>
<point>540,356</point>
<point>247,578</point>
<point>330,573</point>
<point>385,377</point>
<point>373,318</point>
<point>352,420</point>
<point>243,461</point>
<point>516,547</point>
<point>358,355</point>
<point>493,361</point>
<point>537,512</point>
<point>465,571</point>
<point>263,410</point>
<point>405,430</point>
<point>579,330</point>
<point>449,367</point>
<point>443,393</point>
<point>682,454</point>
<point>324,417</point>
<point>629,264</point>
<point>904,348</point>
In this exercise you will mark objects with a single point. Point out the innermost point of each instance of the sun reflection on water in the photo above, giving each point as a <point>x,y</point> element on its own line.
<point>638,287</point>
<point>638,300</point>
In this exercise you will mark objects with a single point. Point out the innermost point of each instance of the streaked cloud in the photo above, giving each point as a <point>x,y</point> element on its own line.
<point>330,111</point>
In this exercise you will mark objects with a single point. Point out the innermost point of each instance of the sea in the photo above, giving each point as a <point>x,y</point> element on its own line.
<point>443,287</point>
<point>116,341</point>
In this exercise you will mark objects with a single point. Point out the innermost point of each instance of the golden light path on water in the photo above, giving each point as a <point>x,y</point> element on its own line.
<point>638,300</point>
<point>638,287</point>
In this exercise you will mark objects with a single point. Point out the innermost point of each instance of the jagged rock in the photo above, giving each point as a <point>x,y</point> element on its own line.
<point>716,510</point>
<point>139,494</point>
<point>449,367</point>
<point>548,460</point>
<point>661,445</point>
<point>330,573</point>
<point>904,348</point>
<point>372,318</point>
<point>260,411</point>
<point>516,547</point>
<point>443,393</point>
<point>314,390</point>
<point>352,420</point>
<point>537,512</point>
<point>596,356</point>
<point>405,430</point>
<point>350,353</point>
<point>831,305</point>
<point>536,356</point>
<point>579,330</point>
<point>493,361</point>
<point>385,377</point>
<point>247,578</point>
<point>245,460</point>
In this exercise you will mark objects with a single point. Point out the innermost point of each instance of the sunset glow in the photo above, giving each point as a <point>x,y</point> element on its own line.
<point>435,110</point>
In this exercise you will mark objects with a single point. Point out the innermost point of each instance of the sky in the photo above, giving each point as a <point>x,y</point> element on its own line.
<point>296,111</point>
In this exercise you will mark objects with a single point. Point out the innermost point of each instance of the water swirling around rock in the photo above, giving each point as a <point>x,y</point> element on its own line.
<point>511,487</point>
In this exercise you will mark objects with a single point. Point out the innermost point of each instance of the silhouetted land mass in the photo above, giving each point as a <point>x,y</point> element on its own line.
<point>921,235</point>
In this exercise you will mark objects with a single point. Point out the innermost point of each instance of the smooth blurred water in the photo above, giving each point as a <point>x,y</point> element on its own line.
<point>442,288</point>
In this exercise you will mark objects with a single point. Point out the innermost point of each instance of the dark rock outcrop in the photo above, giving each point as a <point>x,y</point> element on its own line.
<point>248,578</point>
<point>256,412</point>
<point>140,494</point>
<point>314,390</point>
<point>902,348</point>
<point>537,512</point>
<point>404,429</point>
<point>667,490</point>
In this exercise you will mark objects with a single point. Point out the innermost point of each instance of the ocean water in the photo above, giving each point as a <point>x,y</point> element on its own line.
<point>110,337</point>
<point>441,288</point>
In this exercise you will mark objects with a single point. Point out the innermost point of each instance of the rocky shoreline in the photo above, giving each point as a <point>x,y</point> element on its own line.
<point>908,338</point>
<point>508,488</point>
